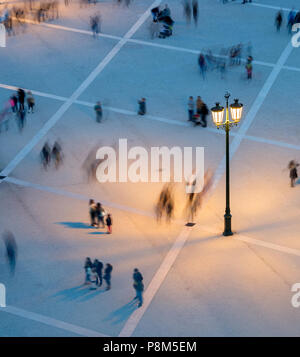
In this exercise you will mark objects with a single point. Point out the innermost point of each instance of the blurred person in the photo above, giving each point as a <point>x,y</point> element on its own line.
<point>202,65</point>
<point>191,107</point>
<point>142,106</point>
<point>278,20</point>
<point>107,275</point>
<point>203,114</point>
<point>292,166</point>
<point>98,111</point>
<point>88,270</point>
<point>138,286</point>
<point>11,250</point>
<point>155,12</point>
<point>108,222</point>
<point>92,212</point>
<point>100,214</point>
<point>30,102</point>
<point>98,266</point>
<point>21,98</point>
<point>194,198</point>
<point>249,68</point>
<point>57,154</point>
<point>291,20</point>
<point>187,11</point>
<point>46,155</point>
<point>165,203</point>
<point>195,11</point>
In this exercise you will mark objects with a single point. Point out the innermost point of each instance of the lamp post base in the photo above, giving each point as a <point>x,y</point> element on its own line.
<point>227,225</point>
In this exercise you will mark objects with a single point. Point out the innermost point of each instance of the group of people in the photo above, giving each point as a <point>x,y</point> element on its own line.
<point>165,203</point>
<point>99,217</point>
<point>162,23</point>
<point>231,56</point>
<point>292,18</point>
<point>16,105</point>
<point>49,155</point>
<point>13,20</point>
<point>197,111</point>
<point>95,274</point>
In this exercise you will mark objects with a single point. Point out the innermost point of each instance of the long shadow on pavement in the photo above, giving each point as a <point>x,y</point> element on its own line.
<point>122,313</point>
<point>75,225</point>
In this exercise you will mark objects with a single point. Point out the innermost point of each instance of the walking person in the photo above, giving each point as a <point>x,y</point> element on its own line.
<point>138,286</point>
<point>109,223</point>
<point>98,111</point>
<point>202,65</point>
<point>56,154</point>
<point>191,108</point>
<point>88,270</point>
<point>100,214</point>
<point>92,212</point>
<point>142,106</point>
<point>11,250</point>
<point>293,172</point>
<point>291,20</point>
<point>30,102</point>
<point>203,114</point>
<point>278,20</point>
<point>107,275</point>
<point>21,98</point>
<point>187,11</point>
<point>249,69</point>
<point>195,11</point>
<point>98,266</point>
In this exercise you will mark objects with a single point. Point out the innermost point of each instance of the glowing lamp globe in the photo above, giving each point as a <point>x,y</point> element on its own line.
<point>236,110</point>
<point>217,113</point>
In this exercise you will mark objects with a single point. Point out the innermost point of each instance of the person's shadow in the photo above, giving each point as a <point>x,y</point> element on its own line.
<point>122,313</point>
<point>80,225</point>
<point>73,293</point>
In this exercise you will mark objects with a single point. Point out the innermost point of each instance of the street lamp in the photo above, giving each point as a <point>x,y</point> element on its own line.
<point>236,110</point>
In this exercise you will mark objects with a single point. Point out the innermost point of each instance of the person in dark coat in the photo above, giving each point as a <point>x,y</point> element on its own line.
<point>98,266</point>
<point>293,172</point>
<point>155,12</point>
<point>11,250</point>
<point>278,20</point>
<point>138,286</point>
<point>142,106</point>
<point>107,275</point>
<point>92,211</point>
<point>203,114</point>
<point>98,111</point>
<point>21,98</point>
<point>88,265</point>
<point>109,223</point>
<point>195,11</point>
<point>100,214</point>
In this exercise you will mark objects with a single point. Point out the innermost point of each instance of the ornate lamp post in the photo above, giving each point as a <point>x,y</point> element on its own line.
<point>236,110</point>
